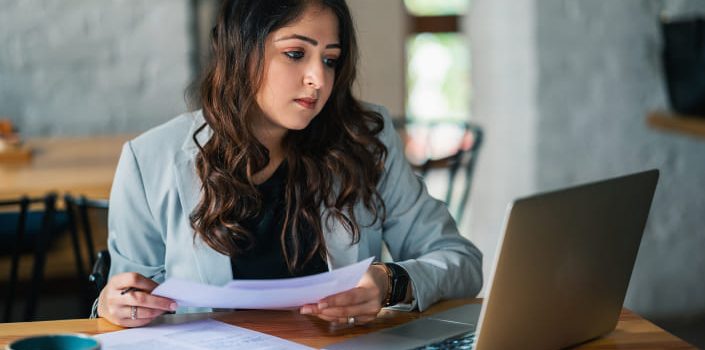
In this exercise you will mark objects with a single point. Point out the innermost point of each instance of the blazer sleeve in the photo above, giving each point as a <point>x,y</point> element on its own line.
<point>421,235</point>
<point>135,241</point>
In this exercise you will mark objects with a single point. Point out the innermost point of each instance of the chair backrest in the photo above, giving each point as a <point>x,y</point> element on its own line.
<point>19,230</point>
<point>99,277</point>
<point>445,150</point>
<point>83,213</point>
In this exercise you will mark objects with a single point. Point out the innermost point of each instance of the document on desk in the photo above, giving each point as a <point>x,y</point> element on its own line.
<point>198,335</point>
<point>264,294</point>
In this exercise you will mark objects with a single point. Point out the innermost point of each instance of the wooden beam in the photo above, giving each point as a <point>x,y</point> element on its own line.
<point>434,24</point>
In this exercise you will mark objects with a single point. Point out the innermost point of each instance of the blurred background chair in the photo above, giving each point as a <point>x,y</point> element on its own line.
<point>27,226</point>
<point>444,155</point>
<point>101,269</point>
<point>86,216</point>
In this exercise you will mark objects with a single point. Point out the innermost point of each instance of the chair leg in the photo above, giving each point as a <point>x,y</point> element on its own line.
<point>14,267</point>
<point>88,233</point>
<point>469,171</point>
<point>75,241</point>
<point>40,257</point>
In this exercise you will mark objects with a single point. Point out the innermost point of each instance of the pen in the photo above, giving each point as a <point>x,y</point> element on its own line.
<point>132,289</point>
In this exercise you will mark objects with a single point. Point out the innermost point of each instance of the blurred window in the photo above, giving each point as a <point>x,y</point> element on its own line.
<point>438,62</point>
<point>436,7</point>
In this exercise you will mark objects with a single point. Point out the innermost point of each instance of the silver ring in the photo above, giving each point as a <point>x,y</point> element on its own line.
<point>351,320</point>
<point>133,312</point>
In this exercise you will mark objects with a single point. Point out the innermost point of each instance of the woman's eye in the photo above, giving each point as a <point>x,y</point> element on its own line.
<point>294,55</point>
<point>330,62</point>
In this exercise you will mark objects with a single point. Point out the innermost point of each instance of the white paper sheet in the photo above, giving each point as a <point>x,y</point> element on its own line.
<point>198,335</point>
<point>264,294</point>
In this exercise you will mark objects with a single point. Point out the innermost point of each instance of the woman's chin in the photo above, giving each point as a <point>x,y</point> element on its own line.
<point>299,124</point>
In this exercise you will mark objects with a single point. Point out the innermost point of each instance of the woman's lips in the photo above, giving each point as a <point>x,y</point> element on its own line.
<point>308,103</point>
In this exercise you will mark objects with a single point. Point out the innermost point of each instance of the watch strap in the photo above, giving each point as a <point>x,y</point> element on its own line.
<point>387,298</point>
<point>399,285</point>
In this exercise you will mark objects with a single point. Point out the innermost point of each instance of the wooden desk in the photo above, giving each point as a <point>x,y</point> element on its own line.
<point>80,165</point>
<point>633,332</point>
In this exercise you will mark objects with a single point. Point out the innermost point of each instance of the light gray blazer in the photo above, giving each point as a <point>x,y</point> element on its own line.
<point>156,188</point>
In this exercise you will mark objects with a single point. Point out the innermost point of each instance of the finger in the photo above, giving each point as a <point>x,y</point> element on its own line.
<point>122,315</point>
<point>353,296</point>
<point>128,322</point>
<point>140,313</point>
<point>359,320</point>
<point>142,299</point>
<point>328,318</point>
<point>132,323</point>
<point>310,309</point>
<point>133,280</point>
<point>364,319</point>
<point>369,308</point>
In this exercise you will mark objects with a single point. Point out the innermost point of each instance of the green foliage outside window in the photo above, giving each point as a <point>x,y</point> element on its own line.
<point>437,7</point>
<point>438,77</point>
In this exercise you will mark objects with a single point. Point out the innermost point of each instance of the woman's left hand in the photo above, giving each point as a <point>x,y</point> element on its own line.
<point>359,305</point>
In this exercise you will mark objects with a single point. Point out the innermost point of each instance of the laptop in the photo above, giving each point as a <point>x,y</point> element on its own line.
<point>560,274</point>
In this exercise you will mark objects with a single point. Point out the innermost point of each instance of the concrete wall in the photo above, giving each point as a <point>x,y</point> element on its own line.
<point>504,84</point>
<point>115,66</point>
<point>84,67</point>
<point>381,30</point>
<point>563,88</point>
<point>600,74</point>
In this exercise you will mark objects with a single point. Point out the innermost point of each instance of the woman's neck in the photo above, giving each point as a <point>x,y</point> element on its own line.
<point>264,174</point>
<point>272,138</point>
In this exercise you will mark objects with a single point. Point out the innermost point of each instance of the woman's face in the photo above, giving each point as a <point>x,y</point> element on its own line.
<point>298,72</point>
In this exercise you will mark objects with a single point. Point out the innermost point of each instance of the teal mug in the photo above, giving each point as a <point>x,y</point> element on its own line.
<point>55,342</point>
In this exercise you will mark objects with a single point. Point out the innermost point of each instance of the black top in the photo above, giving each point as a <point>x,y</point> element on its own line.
<point>265,259</point>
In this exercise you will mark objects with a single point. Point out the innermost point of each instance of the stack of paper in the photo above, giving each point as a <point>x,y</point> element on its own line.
<point>199,335</point>
<point>264,294</point>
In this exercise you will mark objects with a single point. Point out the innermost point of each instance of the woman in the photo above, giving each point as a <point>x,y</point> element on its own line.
<point>281,173</point>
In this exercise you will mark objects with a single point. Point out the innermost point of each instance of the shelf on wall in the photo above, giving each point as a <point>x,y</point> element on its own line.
<point>690,125</point>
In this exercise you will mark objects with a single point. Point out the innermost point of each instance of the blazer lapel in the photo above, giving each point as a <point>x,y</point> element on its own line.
<point>209,262</point>
<point>340,251</point>
<point>213,267</point>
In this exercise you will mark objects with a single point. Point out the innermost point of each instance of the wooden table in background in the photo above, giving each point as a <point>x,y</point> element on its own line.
<point>632,332</point>
<point>80,165</point>
<point>75,165</point>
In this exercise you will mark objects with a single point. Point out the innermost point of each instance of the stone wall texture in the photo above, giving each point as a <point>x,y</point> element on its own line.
<point>600,74</point>
<point>563,88</point>
<point>86,67</point>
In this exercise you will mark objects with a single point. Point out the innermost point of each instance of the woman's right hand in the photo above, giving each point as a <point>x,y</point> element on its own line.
<point>117,307</point>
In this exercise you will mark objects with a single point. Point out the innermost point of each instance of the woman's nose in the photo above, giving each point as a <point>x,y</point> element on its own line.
<point>314,75</point>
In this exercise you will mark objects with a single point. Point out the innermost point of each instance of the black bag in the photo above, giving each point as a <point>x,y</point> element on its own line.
<point>684,65</point>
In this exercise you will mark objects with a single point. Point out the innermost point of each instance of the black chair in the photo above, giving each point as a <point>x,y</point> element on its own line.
<point>446,147</point>
<point>98,278</point>
<point>25,229</point>
<point>81,212</point>
<point>101,269</point>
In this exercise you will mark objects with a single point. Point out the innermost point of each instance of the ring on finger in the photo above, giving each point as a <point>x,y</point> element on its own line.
<point>133,312</point>
<point>351,320</point>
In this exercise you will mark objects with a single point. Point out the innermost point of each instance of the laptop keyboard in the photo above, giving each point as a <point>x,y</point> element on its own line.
<point>462,341</point>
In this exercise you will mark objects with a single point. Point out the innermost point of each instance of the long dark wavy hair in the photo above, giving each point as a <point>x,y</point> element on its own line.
<point>334,163</point>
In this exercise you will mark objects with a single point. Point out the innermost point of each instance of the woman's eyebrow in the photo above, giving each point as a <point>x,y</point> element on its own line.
<point>308,40</point>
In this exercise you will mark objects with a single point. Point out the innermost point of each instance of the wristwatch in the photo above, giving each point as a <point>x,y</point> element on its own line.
<point>399,284</point>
